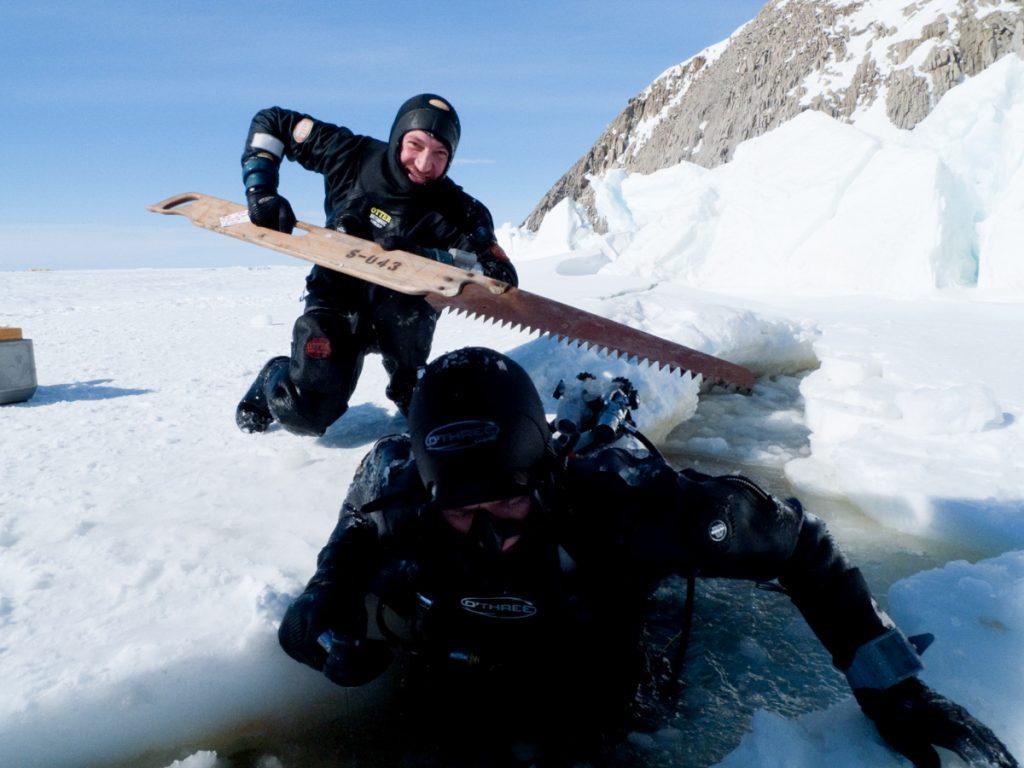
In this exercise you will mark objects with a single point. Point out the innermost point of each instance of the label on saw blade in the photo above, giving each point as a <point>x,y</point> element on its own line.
<point>238,217</point>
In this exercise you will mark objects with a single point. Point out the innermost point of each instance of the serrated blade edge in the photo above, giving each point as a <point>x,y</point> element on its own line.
<point>561,322</point>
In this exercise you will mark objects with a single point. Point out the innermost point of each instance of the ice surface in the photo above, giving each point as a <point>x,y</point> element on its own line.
<point>202,759</point>
<point>977,615</point>
<point>147,548</point>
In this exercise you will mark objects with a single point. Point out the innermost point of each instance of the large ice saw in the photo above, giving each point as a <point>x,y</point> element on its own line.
<point>462,291</point>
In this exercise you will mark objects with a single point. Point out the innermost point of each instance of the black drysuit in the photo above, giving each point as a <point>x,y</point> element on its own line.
<point>559,618</point>
<point>366,195</point>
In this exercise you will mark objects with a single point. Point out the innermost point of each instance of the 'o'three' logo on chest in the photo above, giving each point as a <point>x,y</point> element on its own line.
<point>499,607</point>
<point>460,435</point>
<point>379,218</point>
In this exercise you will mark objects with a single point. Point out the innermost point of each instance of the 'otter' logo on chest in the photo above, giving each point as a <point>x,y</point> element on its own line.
<point>379,218</point>
<point>499,607</point>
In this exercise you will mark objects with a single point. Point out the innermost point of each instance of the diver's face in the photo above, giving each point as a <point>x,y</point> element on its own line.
<point>423,157</point>
<point>500,522</point>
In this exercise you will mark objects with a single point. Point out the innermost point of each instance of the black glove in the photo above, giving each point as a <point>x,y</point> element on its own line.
<point>404,243</point>
<point>912,717</point>
<point>392,242</point>
<point>270,210</point>
<point>351,224</point>
<point>304,621</point>
<point>500,270</point>
<point>354,662</point>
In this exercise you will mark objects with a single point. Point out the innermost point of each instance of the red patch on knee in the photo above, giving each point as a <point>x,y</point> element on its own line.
<point>318,348</point>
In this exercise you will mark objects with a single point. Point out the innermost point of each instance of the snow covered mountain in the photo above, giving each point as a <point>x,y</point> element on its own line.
<point>877,64</point>
<point>818,206</point>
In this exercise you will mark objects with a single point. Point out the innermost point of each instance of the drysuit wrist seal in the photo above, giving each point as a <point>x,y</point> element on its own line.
<point>260,173</point>
<point>883,662</point>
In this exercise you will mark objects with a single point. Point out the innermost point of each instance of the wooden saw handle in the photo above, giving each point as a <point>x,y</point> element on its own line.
<point>398,270</point>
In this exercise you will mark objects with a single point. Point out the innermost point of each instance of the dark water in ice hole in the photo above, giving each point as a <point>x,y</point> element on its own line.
<point>749,649</point>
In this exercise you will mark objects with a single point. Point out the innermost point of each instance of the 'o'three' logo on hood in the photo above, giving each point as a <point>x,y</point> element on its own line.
<point>460,435</point>
<point>499,607</point>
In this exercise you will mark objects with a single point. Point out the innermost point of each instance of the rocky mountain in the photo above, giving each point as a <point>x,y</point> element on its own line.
<point>880,64</point>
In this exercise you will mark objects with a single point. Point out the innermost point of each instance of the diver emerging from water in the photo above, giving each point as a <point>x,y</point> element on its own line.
<point>524,565</point>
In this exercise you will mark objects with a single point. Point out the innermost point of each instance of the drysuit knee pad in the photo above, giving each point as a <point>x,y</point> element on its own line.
<point>326,354</point>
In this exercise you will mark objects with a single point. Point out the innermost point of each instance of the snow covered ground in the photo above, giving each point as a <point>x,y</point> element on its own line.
<point>147,548</point>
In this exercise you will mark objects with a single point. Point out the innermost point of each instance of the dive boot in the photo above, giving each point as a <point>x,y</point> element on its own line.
<point>252,413</point>
<point>399,389</point>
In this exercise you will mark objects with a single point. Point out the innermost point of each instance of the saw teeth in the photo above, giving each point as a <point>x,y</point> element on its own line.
<point>475,298</point>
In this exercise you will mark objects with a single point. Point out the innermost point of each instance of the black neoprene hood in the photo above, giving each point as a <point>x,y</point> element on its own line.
<point>431,113</point>
<point>477,426</point>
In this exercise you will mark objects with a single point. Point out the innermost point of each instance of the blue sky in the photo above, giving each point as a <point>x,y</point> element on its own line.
<point>110,106</point>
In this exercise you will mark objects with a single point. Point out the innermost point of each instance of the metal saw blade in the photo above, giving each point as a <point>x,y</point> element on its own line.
<point>533,313</point>
<point>447,287</point>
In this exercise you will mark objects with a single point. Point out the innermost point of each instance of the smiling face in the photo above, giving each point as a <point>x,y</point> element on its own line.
<point>423,157</point>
